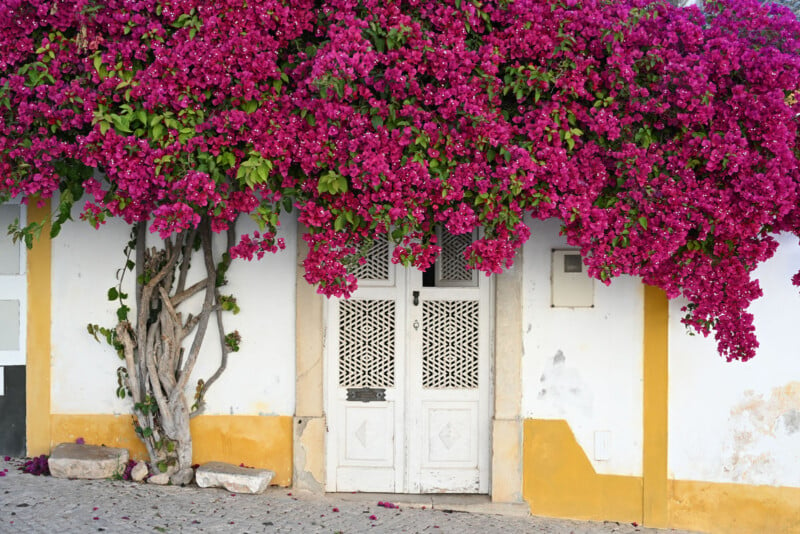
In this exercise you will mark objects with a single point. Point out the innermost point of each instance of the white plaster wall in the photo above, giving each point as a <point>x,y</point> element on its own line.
<point>259,379</point>
<point>740,422</point>
<point>584,364</point>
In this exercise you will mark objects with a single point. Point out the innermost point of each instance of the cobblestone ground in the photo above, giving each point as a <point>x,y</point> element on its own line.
<point>34,504</point>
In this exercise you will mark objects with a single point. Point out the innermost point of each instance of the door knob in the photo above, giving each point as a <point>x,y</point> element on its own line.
<point>416,325</point>
<point>415,294</point>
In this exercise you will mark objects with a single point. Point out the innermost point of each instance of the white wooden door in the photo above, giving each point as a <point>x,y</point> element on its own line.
<point>412,353</point>
<point>13,328</point>
<point>13,292</point>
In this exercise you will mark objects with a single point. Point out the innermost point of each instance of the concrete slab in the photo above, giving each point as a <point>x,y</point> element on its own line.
<point>77,460</point>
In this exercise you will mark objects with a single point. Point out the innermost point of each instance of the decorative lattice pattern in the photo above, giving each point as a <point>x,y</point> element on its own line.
<point>453,264</point>
<point>377,265</point>
<point>450,344</point>
<point>366,343</point>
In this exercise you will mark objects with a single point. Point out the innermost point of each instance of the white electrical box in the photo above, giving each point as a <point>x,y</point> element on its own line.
<point>602,445</point>
<point>571,286</point>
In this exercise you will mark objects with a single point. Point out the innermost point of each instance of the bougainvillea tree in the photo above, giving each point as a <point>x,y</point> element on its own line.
<point>166,115</point>
<point>664,139</point>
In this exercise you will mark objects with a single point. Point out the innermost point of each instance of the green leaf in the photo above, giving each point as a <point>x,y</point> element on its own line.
<point>332,182</point>
<point>113,294</point>
<point>340,222</point>
<point>98,63</point>
<point>250,106</point>
<point>643,222</point>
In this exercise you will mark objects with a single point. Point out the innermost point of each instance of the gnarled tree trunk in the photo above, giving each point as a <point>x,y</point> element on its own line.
<point>162,346</point>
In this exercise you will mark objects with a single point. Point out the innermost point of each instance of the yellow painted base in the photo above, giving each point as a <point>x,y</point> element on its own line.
<point>97,429</point>
<point>256,441</point>
<point>733,508</point>
<point>559,480</point>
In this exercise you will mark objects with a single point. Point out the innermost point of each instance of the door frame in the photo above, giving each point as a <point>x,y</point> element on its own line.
<point>310,428</point>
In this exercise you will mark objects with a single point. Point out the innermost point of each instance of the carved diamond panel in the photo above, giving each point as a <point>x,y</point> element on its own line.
<point>450,431</point>
<point>377,264</point>
<point>450,344</point>
<point>366,343</point>
<point>369,432</point>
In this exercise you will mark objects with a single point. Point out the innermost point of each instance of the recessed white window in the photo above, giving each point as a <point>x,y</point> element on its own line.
<point>9,325</point>
<point>9,251</point>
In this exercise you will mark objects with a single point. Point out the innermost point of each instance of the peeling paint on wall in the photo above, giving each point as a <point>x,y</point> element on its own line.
<point>764,437</point>
<point>562,388</point>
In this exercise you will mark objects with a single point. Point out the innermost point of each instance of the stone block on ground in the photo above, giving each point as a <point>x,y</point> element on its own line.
<point>139,472</point>
<point>160,479</point>
<point>182,477</point>
<point>77,460</point>
<point>233,478</point>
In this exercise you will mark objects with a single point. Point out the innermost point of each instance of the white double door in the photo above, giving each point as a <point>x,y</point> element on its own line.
<point>408,364</point>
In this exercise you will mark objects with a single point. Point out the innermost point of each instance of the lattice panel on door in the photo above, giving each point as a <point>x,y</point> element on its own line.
<point>452,267</point>
<point>450,344</point>
<point>366,343</point>
<point>377,265</point>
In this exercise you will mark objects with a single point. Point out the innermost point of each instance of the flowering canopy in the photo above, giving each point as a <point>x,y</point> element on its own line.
<point>663,138</point>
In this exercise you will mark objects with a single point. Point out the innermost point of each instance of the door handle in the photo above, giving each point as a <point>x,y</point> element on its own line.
<point>415,294</point>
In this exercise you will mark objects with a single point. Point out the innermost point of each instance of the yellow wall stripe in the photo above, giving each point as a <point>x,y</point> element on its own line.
<point>656,407</point>
<point>255,441</point>
<point>37,369</point>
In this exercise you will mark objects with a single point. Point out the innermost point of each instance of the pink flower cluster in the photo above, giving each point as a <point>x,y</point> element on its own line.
<point>664,139</point>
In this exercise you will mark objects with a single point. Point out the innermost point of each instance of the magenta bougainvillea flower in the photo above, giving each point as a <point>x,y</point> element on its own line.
<point>664,139</point>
